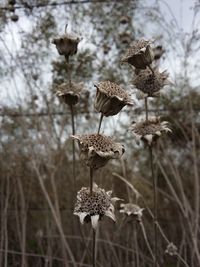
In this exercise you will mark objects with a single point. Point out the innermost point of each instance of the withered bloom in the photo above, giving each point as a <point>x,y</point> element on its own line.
<point>97,149</point>
<point>131,209</point>
<point>67,44</point>
<point>69,93</point>
<point>110,98</point>
<point>149,131</point>
<point>171,249</point>
<point>150,83</point>
<point>93,207</point>
<point>139,54</point>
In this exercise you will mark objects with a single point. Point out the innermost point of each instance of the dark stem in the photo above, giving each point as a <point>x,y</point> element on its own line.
<point>100,121</point>
<point>146,107</point>
<point>94,249</point>
<point>155,206</point>
<point>91,180</point>
<point>73,147</point>
<point>151,69</point>
<point>68,69</point>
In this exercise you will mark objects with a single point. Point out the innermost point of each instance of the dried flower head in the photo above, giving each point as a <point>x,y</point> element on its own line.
<point>139,54</point>
<point>97,149</point>
<point>93,207</point>
<point>67,44</point>
<point>110,98</point>
<point>69,93</point>
<point>131,209</point>
<point>151,83</point>
<point>158,52</point>
<point>171,249</point>
<point>149,130</point>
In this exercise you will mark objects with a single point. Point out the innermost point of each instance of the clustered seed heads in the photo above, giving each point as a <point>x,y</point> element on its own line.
<point>97,149</point>
<point>93,207</point>
<point>110,98</point>
<point>149,130</point>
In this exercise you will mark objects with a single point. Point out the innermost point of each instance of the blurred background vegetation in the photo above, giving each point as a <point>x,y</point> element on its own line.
<point>35,149</point>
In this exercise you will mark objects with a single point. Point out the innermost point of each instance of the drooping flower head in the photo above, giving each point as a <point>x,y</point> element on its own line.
<point>93,207</point>
<point>150,83</point>
<point>97,149</point>
<point>149,130</point>
<point>69,93</point>
<point>67,44</point>
<point>131,209</point>
<point>139,54</point>
<point>110,98</point>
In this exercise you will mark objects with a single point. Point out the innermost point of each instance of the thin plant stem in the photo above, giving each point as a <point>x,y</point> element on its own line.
<point>73,147</point>
<point>151,69</point>
<point>100,121</point>
<point>146,107</point>
<point>68,69</point>
<point>146,239</point>
<point>94,249</point>
<point>91,180</point>
<point>154,178</point>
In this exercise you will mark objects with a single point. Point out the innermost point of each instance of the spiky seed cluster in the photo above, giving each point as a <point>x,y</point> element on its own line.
<point>67,44</point>
<point>151,83</point>
<point>93,207</point>
<point>139,54</point>
<point>171,249</point>
<point>149,130</point>
<point>132,209</point>
<point>69,93</point>
<point>110,98</point>
<point>97,149</point>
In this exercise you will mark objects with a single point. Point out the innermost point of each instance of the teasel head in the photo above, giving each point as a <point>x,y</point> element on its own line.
<point>110,98</point>
<point>149,130</point>
<point>131,209</point>
<point>69,93</point>
<point>150,83</point>
<point>97,149</point>
<point>139,54</point>
<point>67,44</point>
<point>93,207</point>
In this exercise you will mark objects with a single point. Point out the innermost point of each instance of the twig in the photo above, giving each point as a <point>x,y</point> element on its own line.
<point>155,205</point>
<point>100,121</point>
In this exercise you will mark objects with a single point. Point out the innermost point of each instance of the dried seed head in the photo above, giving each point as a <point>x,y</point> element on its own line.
<point>132,209</point>
<point>97,149</point>
<point>171,249</point>
<point>158,52</point>
<point>139,54</point>
<point>67,44</point>
<point>124,19</point>
<point>110,98</point>
<point>149,131</point>
<point>14,17</point>
<point>151,83</point>
<point>69,93</point>
<point>93,207</point>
